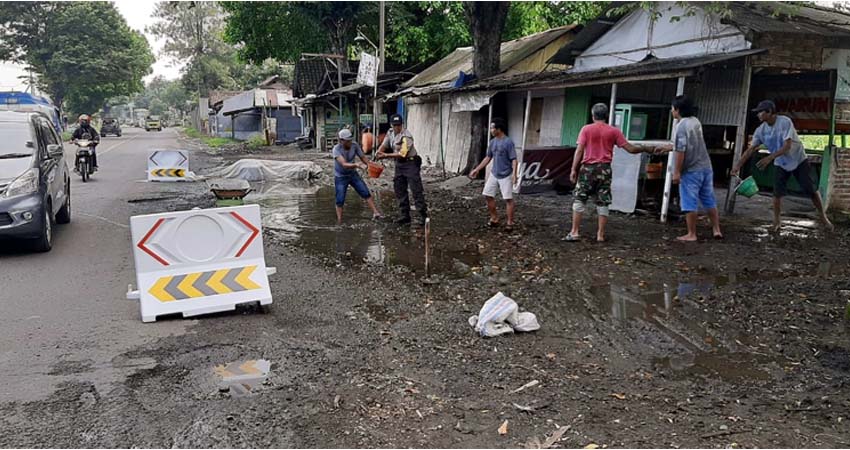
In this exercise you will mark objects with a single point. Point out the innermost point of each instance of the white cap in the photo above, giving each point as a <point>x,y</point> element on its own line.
<point>345,135</point>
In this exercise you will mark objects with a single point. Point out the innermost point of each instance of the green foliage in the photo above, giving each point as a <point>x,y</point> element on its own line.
<point>423,32</point>
<point>416,32</point>
<point>216,142</point>
<point>160,96</point>
<point>817,141</point>
<point>194,32</point>
<point>256,142</point>
<point>192,132</point>
<point>82,52</point>
<point>212,142</point>
<point>285,38</point>
<point>525,18</point>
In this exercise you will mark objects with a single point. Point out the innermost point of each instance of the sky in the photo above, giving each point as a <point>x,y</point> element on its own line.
<point>139,14</point>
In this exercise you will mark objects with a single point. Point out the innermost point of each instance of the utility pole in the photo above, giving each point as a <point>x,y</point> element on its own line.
<point>381,37</point>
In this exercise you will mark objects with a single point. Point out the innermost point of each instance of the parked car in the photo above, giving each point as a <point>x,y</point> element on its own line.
<point>110,126</point>
<point>35,186</point>
<point>153,123</point>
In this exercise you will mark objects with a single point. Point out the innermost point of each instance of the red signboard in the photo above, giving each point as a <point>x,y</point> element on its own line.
<point>803,97</point>
<point>545,168</point>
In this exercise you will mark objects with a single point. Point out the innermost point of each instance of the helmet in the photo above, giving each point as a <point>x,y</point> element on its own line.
<point>84,118</point>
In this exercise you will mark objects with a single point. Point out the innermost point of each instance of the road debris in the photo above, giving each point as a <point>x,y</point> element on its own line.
<point>531,383</point>
<point>503,430</point>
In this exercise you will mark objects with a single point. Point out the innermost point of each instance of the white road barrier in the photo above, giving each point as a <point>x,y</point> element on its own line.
<point>200,261</point>
<point>168,165</point>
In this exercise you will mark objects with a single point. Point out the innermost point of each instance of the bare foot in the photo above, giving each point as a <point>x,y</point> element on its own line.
<point>600,238</point>
<point>829,226</point>
<point>687,238</point>
<point>776,228</point>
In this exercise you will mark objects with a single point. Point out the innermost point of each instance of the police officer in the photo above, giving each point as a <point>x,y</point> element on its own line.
<point>398,145</point>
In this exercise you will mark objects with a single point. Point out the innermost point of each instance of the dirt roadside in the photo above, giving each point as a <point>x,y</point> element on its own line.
<point>644,342</point>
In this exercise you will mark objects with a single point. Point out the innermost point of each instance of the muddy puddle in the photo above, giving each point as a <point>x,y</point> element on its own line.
<point>242,378</point>
<point>305,215</point>
<point>660,308</point>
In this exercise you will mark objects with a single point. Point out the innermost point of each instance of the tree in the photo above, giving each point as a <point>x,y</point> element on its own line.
<point>83,53</point>
<point>193,32</point>
<point>486,23</point>
<point>285,38</point>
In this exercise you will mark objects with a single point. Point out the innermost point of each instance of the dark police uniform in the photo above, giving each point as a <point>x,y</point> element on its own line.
<point>407,174</point>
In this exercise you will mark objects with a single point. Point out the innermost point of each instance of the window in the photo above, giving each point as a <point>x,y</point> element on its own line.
<point>14,136</point>
<point>48,132</point>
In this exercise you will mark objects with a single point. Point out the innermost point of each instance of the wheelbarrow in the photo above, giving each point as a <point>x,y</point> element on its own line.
<point>229,192</point>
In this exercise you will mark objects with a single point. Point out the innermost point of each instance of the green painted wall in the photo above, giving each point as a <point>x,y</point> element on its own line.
<point>576,114</point>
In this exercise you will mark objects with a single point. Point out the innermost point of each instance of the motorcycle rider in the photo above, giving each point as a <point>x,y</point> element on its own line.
<point>87,132</point>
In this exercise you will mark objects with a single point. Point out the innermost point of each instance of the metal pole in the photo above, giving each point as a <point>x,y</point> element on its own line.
<point>613,104</point>
<point>668,180</point>
<point>442,149</point>
<point>524,136</point>
<point>378,69</point>
<point>741,132</point>
<point>339,80</point>
<point>489,118</point>
<point>381,36</point>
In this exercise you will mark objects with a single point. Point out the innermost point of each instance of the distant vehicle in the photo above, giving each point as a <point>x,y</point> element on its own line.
<point>110,126</point>
<point>35,188</point>
<point>153,123</point>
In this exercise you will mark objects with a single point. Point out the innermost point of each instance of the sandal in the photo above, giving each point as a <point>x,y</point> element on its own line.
<point>570,238</point>
<point>509,227</point>
<point>492,224</point>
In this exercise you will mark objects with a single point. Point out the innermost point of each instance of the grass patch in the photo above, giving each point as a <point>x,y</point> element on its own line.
<point>256,142</point>
<point>209,141</point>
<point>192,132</point>
<point>67,135</point>
<point>218,142</point>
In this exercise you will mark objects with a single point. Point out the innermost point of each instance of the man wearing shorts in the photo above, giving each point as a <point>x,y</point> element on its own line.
<point>594,154</point>
<point>777,133</point>
<point>503,176</point>
<point>692,169</point>
<point>345,173</point>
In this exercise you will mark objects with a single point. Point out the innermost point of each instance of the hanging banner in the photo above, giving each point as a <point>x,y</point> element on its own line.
<point>368,71</point>
<point>545,168</point>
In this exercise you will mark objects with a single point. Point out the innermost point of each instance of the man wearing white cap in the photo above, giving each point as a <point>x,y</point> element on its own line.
<point>345,173</point>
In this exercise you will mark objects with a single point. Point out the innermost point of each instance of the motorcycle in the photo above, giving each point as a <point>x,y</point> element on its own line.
<point>84,165</point>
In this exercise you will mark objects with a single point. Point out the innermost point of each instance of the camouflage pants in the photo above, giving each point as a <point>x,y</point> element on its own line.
<point>594,179</point>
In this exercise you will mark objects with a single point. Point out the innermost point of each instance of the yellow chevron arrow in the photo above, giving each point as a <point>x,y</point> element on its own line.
<point>187,286</point>
<point>215,282</point>
<point>244,279</point>
<point>158,290</point>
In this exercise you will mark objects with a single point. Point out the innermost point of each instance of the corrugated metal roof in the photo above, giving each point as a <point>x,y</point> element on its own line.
<point>512,52</point>
<point>761,17</point>
<point>650,68</point>
<point>217,97</point>
<point>752,16</point>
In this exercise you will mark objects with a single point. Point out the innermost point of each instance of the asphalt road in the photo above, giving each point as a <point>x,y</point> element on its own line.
<point>63,314</point>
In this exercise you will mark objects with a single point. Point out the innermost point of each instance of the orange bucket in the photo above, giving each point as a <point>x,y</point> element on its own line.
<point>654,171</point>
<point>375,170</point>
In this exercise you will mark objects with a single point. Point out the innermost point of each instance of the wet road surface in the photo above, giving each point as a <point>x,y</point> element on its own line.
<point>63,315</point>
